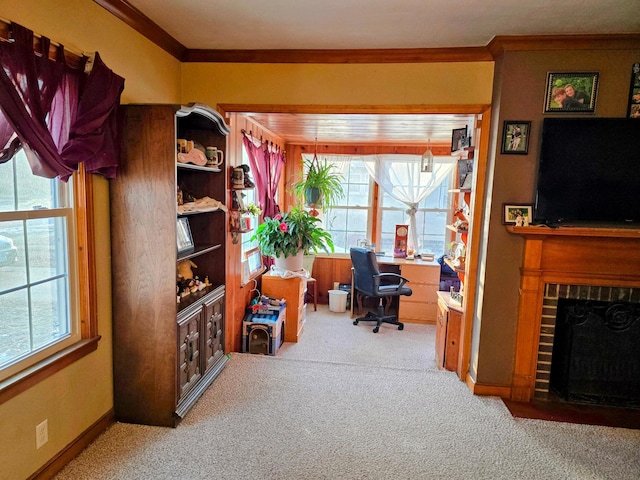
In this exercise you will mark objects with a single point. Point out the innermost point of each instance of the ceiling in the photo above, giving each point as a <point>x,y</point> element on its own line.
<point>372,24</point>
<point>366,24</point>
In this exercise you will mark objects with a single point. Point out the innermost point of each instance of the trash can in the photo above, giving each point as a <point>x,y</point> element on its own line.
<point>338,300</point>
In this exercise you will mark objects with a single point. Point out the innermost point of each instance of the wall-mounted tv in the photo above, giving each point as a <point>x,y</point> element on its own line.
<point>589,172</point>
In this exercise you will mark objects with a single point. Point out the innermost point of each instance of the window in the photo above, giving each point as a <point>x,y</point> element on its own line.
<point>40,269</point>
<point>352,220</point>
<point>348,222</point>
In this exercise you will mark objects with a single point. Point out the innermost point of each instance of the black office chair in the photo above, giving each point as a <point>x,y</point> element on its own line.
<point>370,282</point>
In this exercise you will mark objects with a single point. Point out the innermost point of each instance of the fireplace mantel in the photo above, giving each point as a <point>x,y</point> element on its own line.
<point>565,255</point>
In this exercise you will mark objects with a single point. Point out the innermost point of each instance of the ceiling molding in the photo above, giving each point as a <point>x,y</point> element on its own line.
<point>503,43</point>
<point>145,26</point>
<point>379,55</point>
<point>225,108</point>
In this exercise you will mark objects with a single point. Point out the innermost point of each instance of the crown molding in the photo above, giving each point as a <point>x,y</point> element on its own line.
<point>513,43</point>
<point>144,25</point>
<point>379,55</point>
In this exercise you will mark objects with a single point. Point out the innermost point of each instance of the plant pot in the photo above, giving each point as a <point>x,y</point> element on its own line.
<point>313,197</point>
<point>292,263</point>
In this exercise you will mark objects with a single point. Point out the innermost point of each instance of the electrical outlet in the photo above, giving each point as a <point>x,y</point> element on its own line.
<point>42,433</point>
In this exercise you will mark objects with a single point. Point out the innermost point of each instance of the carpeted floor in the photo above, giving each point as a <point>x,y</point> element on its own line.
<point>289,417</point>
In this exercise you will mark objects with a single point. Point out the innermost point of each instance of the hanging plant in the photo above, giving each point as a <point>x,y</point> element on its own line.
<point>321,187</point>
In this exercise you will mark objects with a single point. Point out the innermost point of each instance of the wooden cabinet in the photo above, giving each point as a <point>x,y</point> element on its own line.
<point>424,280</point>
<point>166,352</point>
<point>448,330</point>
<point>292,290</point>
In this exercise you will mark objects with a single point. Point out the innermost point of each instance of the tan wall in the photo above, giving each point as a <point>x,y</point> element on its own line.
<point>362,84</point>
<point>75,398</point>
<point>519,95</point>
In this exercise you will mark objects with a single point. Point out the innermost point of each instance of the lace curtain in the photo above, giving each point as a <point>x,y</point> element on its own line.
<point>59,115</point>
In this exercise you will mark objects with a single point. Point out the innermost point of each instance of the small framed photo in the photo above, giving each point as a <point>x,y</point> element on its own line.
<point>244,223</point>
<point>571,92</point>
<point>633,110</point>
<point>517,214</point>
<point>515,137</point>
<point>184,238</point>
<point>459,139</point>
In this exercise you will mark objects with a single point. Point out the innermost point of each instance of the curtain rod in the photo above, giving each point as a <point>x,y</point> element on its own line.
<point>73,58</point>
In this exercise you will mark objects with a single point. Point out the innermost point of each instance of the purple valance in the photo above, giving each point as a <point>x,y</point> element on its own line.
<point>61,116</point>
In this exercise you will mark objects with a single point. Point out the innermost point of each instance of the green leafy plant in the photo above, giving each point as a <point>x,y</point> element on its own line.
<point>253,209</point>
<point>321,186</point>
<point>287,233</point>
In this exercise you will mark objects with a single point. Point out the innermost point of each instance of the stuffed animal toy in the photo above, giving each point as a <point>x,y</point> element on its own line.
<point>184,269</point>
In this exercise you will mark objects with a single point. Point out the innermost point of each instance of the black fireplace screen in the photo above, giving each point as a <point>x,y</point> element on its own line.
<point>595,352</point>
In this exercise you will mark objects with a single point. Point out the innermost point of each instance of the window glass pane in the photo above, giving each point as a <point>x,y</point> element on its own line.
<point>15,332</point>
<point>13,266</point>
<point>47,241</point>
<point>49,312</point>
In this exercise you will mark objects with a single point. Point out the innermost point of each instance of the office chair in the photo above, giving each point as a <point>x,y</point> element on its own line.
<point>368,280</point>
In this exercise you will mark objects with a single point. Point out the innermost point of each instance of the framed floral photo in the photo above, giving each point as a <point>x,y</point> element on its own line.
<point>515,137</point>
<point>184,238</point>
<point>571,92</point>
<point>517,214</point>
<point>633,111</point>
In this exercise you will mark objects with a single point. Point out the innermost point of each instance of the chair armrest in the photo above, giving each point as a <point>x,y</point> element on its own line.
<point>377,279</point>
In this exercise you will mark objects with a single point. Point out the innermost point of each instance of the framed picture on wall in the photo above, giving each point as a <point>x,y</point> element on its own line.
<point>515,137</point>
<point>573,92</point>
<point>459,139</point>
<point>517,214</point>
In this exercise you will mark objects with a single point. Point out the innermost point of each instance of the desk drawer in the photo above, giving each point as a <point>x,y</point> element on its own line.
<point>418,312</point>
<point>422,293</point>
<point>421,273</point>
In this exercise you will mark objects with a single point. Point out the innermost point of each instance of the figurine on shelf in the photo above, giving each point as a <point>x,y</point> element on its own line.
<point>248,183</point>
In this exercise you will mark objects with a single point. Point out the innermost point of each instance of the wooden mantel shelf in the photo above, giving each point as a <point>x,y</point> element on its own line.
<point>536,231</point>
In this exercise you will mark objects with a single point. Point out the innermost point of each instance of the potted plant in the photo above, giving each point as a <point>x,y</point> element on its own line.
<point>321,187</point>
<point>292,234</point>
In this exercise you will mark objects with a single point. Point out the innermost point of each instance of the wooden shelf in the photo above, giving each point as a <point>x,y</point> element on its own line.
<point>456,268</point>
<point>198,250</point>
<point>457,230</point>
<point>190,166</point>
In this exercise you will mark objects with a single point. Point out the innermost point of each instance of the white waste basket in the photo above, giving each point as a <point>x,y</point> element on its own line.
<point>338,300</point>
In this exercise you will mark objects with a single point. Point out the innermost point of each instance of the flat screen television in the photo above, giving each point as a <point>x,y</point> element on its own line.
<point>589,172</point>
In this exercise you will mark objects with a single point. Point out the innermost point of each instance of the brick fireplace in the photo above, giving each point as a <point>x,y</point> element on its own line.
<point>599,264</point>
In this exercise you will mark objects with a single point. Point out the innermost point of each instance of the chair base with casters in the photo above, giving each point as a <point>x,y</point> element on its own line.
<point>379,317</point>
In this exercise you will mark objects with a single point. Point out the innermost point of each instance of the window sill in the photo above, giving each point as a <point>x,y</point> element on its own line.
<point>31,376</point>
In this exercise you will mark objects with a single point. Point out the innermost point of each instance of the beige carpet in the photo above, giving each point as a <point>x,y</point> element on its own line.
<point>286,417</point>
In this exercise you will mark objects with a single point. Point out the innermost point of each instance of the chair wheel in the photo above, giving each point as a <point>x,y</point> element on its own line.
<point>401,326</point>
<point>355,322</point>
<point>375,329</point>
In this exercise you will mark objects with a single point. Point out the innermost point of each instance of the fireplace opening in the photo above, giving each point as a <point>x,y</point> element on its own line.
<point>594,357</point>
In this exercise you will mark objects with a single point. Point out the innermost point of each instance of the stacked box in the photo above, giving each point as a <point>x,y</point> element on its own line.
<point>263,331</point>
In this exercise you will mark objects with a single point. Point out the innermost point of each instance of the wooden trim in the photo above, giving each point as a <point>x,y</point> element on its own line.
<point>226,108</point>
<point>31,376</point>
<point>376,55</point>
<point>505,43</point>
<point>145,26</point>
<point>473,249</point>
<point>488,390</point>
<point>57,463</point>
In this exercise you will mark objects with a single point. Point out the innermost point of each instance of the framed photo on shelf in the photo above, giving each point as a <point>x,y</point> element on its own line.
<point>184,238</point>
<point>517,214</point>
<point>459,139</point>
<point>633,110</point>
<point>571,92</point>
<point>515,137</point>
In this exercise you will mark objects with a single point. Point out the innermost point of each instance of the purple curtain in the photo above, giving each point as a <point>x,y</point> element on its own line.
<point>266,166</point>
<point>44,104</point>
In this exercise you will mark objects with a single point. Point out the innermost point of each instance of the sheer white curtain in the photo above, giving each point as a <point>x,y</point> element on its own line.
<point>400,176</point>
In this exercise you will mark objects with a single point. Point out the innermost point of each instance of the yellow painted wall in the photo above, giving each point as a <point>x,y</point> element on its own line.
<point>360,84</point>
<point>75,398</point>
